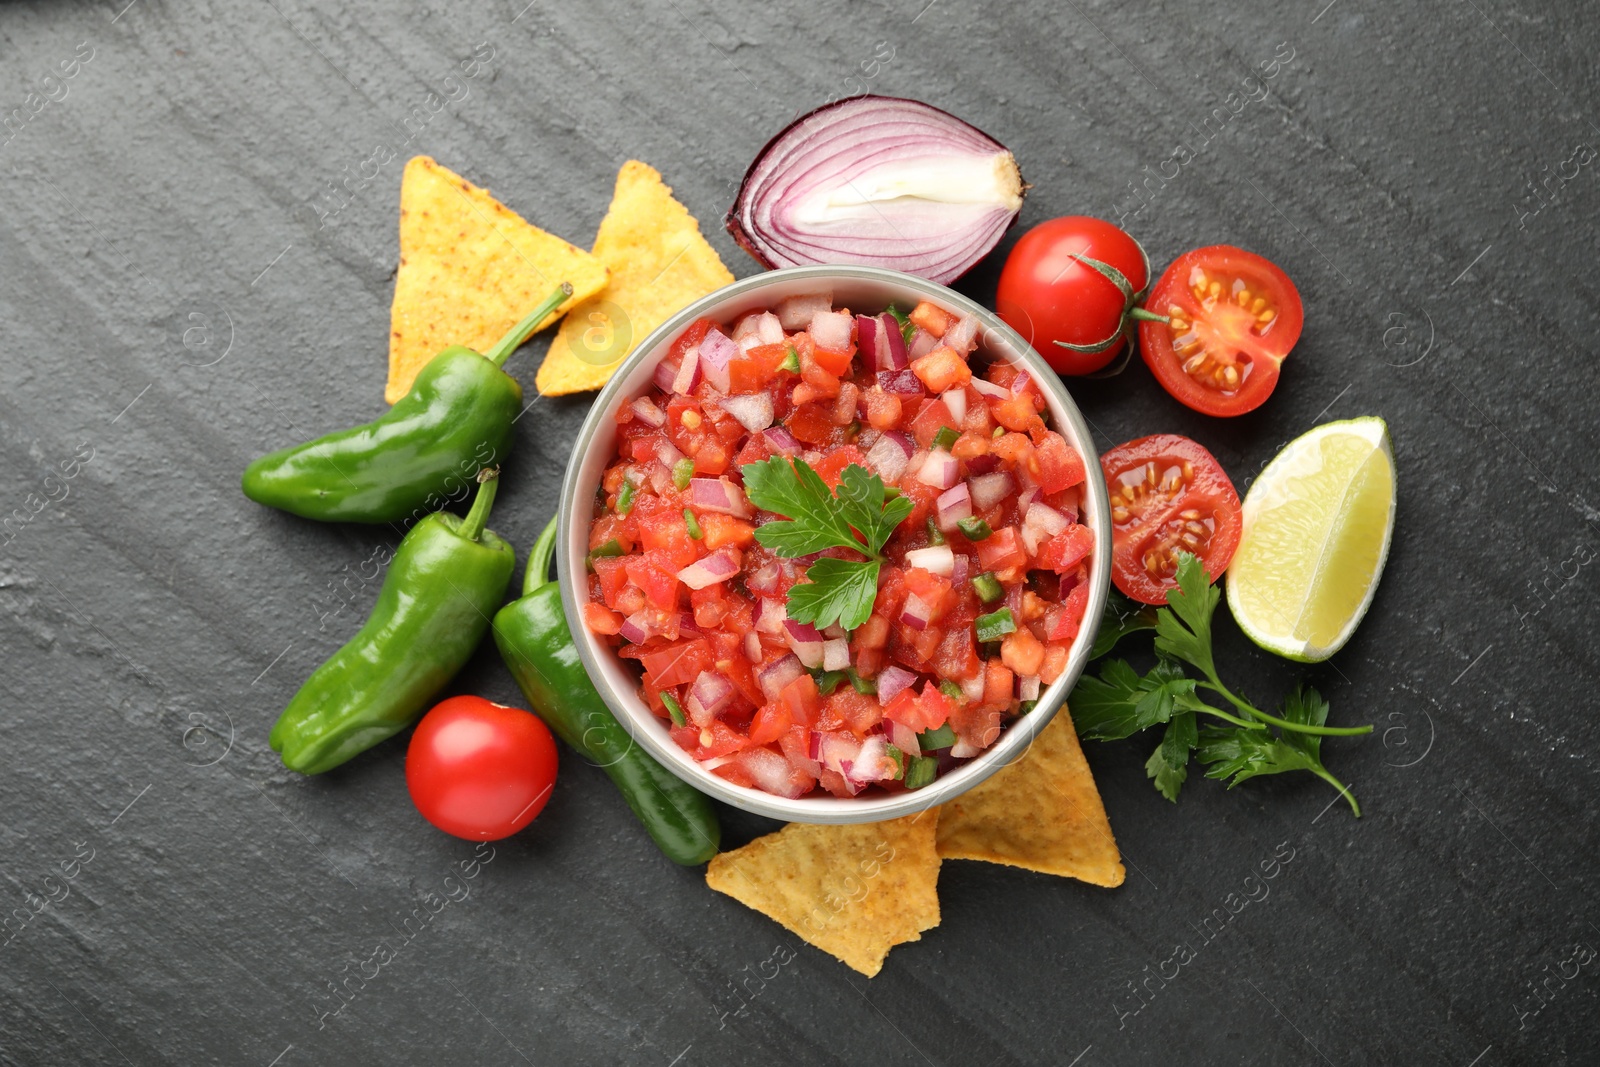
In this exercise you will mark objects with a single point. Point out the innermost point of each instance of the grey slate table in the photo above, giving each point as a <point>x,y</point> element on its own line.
<point>182,291</point>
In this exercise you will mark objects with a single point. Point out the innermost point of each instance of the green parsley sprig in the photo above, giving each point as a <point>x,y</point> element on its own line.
<point>859,516</point>
<point>1121,702</point>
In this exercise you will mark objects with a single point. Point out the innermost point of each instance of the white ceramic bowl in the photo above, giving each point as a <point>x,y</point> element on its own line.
<point>869,289</point>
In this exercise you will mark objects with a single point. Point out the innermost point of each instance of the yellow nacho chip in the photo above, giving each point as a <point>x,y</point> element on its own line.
<point>853,891</point>
<point>1042,812</point>
<point>470,269</point>
<point>659,263</point>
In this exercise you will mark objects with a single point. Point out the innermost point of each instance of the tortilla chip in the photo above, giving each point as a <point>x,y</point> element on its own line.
<point>659,264</point>
<point>853,891</point>
<point>1042,812</point>
<point>470,269</point>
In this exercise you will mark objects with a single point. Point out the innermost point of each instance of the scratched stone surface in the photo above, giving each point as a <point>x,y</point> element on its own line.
<point>198,240</point>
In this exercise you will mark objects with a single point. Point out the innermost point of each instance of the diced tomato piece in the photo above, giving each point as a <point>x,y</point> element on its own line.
<point>883,409</point>
<point>845,708</point>
<point>844,408</point>
<point>1065,550</point>
<point>1064,621</point>
<point>934,707</point>
<point>801,699</point>
<point>922,497</point>
<point>930,587</point>
<point>833,464</point>
<point>717,530</point>
<point>609,527</point>
<point>931,318</point>
<point>772,721</point>
<point>957,655</point>
<point>1001,550</point>
<point>942,369</point>
<point>613,578</point>
<point>1060,466</point>
<point>1017,413</point>
<point>660,584</point>
<point>811,424</point>
<point>977,725</point>
<point>601,619</point>
<point>930,419</point>
<point>679,664</point>
<point>835,361</point>
<point>1055,661</point>
<point>710,456</point>
<point>999,684</point>
<point>725,741</point>
<point>1022,652</point>
<point>926,643</point>
<point>757,368</point>
<point>970,445</point>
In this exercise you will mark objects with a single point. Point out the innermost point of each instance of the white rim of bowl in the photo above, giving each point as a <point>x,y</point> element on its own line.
<point>576,512</point>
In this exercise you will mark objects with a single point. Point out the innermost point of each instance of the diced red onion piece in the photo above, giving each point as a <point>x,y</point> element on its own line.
<point>952,506</point>
<point>686,623</point>
<point>1046,518</point>
<point>962,750</point>
<point>814,746</point>
<point>972,688</point>
<point>872,763</point>
<point>716,352</point>
<point>940,470</point>
<point>922,342</point>
<point>989,489</point>
<point>771,617</point>
<point>892,681</point>
<point>1019,384</point>
<point>639,627</point>
<point>903,737</point>
<point>831,632</point>
<point>916,613</point>
<point>688,375</point>
<point>667,453</point>
<point>900,382</point>
<point>835,654</point>
<point>666,373</point>
<point>746,326</point>
<point>961,571</point>
<point>868,330</point>
<point>782,441</point>
<point>747,342</point>
<point>769,329</point>
<point>806,642</point>
<point>831,330</point>
<point>752,647</point>
<point>717,567</point>
<point>988,388</point>
<point>839,751</point>
<point>1026,498</point>
<point>708,697</point>
<point>896,344</point>
<point>779,674</point>
<point>956,401</point>
<point>648,413</point>
<point>935,559</point>
<point>660,479</point>
<point>764,579</point>
<point>963,335</point>
<point>771,772</point>
<point>753,411</point>
<point>719,761</point>
<point>1028,687</point>
<point>719,495</point>
<point>888,456</point>
<point>878,180</point>
<point>796,312</point>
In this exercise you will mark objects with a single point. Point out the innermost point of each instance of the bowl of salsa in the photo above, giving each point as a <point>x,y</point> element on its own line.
<point>835,544</point>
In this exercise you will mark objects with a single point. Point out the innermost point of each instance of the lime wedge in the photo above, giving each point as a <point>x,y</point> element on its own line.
<point>1317,524</point>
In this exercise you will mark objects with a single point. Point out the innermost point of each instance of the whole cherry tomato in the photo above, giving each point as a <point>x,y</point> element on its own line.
<point>1049,295</point>
<point>480,770</point>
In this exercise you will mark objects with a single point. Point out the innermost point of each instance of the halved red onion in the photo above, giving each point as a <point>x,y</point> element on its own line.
<point>648,413</point>
<point>952,506</point>
<point>963,335</point>
<point>1028,687</point>
<point>916,613</point>
<point>888,456</point>
<point>717,567</point>
<point>782,441</point>
<point>903,737</point>
<point>831,330</point>
<point>940,470</point>
<point>796,312</point>
<point>922,342</point>
<point>892,681</point>
<point>956,401</point>
<point>719,495</point>
<point>835,654</point>
<point>716,352</point>
<point>902,382</point>
<point>989,489</point>
<point>778,674</point>
<point>708,697</point>
<point>935,559</point>
<point>989,388</point>
<point>688,375</point>
<point>878,180</point>
<point>753,411</point>
<point>805,640</point>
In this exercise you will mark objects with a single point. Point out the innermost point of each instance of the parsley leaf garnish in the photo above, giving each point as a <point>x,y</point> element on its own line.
<point>858,517</point>
<point>1121,702</point>
<point>1121,618</point>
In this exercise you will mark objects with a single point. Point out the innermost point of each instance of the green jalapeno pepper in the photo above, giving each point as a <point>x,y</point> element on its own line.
<point>455,421</point>
<point>447,577</point>
<point>538,649</point>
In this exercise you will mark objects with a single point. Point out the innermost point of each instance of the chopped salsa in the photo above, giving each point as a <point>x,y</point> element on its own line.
<point>980,588</point>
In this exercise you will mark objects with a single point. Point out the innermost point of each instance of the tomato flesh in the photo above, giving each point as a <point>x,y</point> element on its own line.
<point>1233,317</point>
<point>1168,495</point>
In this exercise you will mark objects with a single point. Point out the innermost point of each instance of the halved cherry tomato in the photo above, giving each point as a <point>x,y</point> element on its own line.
<point>1234,317</point>
<point>1046,295</point>
<point>1168,495</point>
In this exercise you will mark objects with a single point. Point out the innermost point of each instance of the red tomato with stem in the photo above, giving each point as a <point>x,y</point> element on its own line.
<point>1168,495</point>
<point>1054,299</point>
<point>1233,317</point>
<point>480,770</point>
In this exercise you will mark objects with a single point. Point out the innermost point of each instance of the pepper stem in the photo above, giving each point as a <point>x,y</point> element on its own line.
<point>544,551</point>
<point>488,485</point>
<point>523,330</point>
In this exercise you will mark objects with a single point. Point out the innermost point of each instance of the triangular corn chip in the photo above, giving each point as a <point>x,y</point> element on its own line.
<point>659,263</point>
<point>1042,812</point>
<point>470,269</point>
<point>853,891</point>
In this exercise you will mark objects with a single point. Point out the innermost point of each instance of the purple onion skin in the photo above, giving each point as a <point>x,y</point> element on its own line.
<point>734,223</point>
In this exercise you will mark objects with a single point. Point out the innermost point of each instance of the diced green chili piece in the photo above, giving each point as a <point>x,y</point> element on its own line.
<point>951,689</point>
<point>828,681</point>
<point>995,625</point>
<point>625,497</point>
<point>935,535</point>
<point>988,588</point>
<point>791,361</point>
<point>694,525</point>
<point>974,528</point>
<point>945,438</point>
<point>1027,706</point>
<point>864,686</point>
<point>921,771</point>
<point>931,740</point>
<point>890,492</point>
<point>899,760</point>
<point>612,547</point>
<point>682,472</point>
<point>674,709</point>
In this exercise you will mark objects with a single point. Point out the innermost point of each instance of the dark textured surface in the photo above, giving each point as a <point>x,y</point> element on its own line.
<point>174,305</point>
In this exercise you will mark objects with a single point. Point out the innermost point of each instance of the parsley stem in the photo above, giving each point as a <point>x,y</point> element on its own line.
<point>1244,724</point>
<point>1285,724</point>
<point>1331,780</point>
